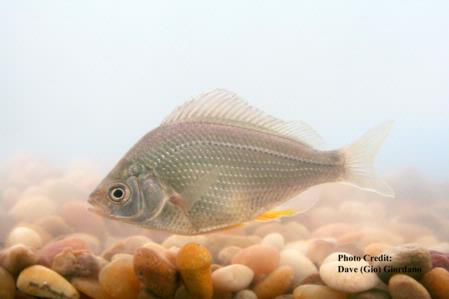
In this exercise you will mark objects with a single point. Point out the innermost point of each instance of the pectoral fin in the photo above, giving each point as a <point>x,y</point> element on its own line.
<point>276,214</point>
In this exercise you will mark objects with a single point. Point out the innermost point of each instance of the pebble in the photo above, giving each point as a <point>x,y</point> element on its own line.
<point>54,225</point>
<point>42,282</point>
<point>129,245</point>
<point>90,287</point>
<point>274,239</point>
<point>155,271</point>
<point>262,259</point>
<point>440,259</point>
<point>226,255</point>
<point>245,294</point>
<point>288,296</point>
<point>70,263</point>
<point>372,294</point>
<point>276,283</point>
<point>313,279</point>
<point>402,286</point>
<point>31,208</point>
<point>301,265</point>
<point>351,282</point>
<point>333,230</point>
<point>7,285</point>
<point>24,235</point>
<point>232,278</point>
<point>180,240</point>
<point>407,255</point>
<point>216,242</point>
<point>301,246</point>
<point>319,249</point>
<point>194,262</point>
<point>118,280</point>
<point>311,291</point>
<point>16,258</point>
<point>49,251</point>
<point>375,249</point>
<point>436,282</point>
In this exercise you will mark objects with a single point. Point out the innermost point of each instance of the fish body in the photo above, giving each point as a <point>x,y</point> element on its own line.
<point>218,162</point>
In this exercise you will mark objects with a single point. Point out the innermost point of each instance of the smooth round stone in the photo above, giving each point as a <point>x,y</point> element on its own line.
<point>42,282</point>
<point>216,242</point>
<point>276,283</point>
<point>71,263</point>
<point>226,255</point>
<point>436,282</point>
<point>118,280</point>
<point>262,259</point>
<point>155,271</point>
<point>16,258</point>
<point>313,279</point>
<point>408,255</point>
<point>49,251</point>
<point>7,285</point>
<point>332,230</point>
<point>402,286</point>
<point>440,259</point>
<point>128,245</point>
<point>289,296</point>
<point>232,278</point>
<point>54,225</point>
<point>319,249</point>
<point>24,235</point>
<point>245,294</point>
<point>90,287</point>
<point>351,282</point>
<point>274,239</point>
<point>372,294</point>
<point>31,208</point>
<point>311,291</point>
<point>301,265</point>
<point>179,240</point>
<point>194,263</point>
<point>375,249</point>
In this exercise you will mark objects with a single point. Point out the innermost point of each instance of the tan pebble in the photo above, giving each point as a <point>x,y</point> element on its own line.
<point>155,271</point>
<point>7,285</point>
<point>293,231</point>
<point>300,264</point>
<point>436,282</point>
<point>216,242</point>
<point>54,225</point>
<point>226,254</point>
<point>194,261</point>
<point>24,235</point>
<point>128,245</point>
<point>276,283</point>
<point>232,278</point>
<point>262,259</point>
<point>372,294</point>
<point>319,249</point>
<point>143,294</point>
<point>274,239</point>
<point>91,241</point>
<point>179,241</point>
<point>313,279</point>
<point>215,267</point>
<point>333,230</point>
<point>42,282</point>
<point>118,279</point>
<point>300,246</point>
<point>31,208</point>
<point>245,294</point>
<point>402,286</point>
<point>311,291</point>
<point>285,296</point>
<point>75,263</point>
<point>89,286</point>
<point>219,294</point>
<point>182,293</point>
<point>17,258</point>
<point>49,251</point>
<point>375,249</point>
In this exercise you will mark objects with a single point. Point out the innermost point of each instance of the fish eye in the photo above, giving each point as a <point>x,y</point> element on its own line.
<point>118,193</point>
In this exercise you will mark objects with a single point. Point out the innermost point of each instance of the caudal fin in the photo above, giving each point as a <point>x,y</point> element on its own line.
<point>359,158</point>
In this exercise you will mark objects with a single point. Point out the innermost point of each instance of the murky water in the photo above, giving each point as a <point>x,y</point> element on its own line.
<point>52,246</point>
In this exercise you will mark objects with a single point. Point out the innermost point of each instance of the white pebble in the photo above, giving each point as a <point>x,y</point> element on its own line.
<point>300,264</point>
<point>232,278</point>
<point>274,239</point>
<point>24,235</point>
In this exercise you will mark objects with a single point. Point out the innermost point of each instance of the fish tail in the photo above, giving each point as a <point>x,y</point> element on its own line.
<point>359,158</point>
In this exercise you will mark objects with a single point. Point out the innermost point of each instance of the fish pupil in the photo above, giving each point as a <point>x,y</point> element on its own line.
<point>117,193</point>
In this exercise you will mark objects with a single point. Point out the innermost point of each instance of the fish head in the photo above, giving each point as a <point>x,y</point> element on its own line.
<point>130,192</point>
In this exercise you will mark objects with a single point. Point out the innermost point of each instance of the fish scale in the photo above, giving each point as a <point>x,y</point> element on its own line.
<point>216,161</point>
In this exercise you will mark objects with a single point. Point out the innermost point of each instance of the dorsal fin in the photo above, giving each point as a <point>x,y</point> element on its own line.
<point>225,107</point>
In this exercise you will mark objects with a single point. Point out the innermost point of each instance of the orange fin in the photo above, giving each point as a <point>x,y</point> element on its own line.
<point>276,214</point>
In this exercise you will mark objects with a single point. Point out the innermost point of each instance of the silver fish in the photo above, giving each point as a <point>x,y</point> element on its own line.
<point>216,162</point>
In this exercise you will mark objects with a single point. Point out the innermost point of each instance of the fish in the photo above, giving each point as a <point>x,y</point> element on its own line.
<point>217,162</point>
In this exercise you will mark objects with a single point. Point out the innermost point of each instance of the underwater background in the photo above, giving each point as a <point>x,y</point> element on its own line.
<point>82,82</point>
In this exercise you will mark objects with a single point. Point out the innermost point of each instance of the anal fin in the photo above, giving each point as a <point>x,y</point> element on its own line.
<point>276,214</point>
